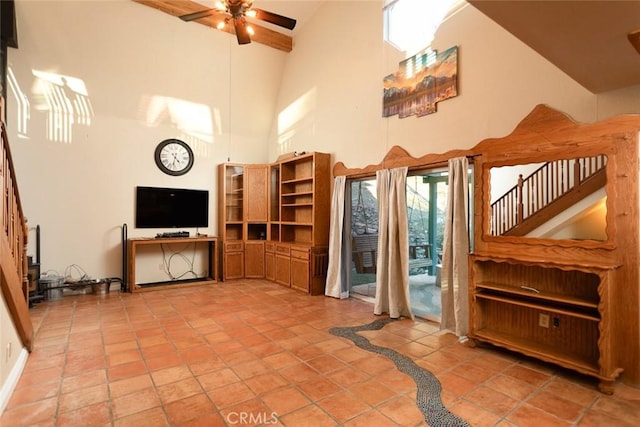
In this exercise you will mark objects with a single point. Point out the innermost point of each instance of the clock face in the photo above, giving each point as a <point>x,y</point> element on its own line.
<point>174,157</point>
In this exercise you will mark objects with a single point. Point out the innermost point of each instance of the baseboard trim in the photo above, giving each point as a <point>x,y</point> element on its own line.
<point>12,380</point>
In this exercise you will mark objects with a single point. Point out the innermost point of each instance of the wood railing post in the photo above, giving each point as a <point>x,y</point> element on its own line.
<point>520,203</point>
<point>576,173</point>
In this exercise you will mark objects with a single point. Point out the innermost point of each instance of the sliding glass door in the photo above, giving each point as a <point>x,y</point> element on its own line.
<point>426,204</point>
<point>427,192</point>
<point>364,236</point>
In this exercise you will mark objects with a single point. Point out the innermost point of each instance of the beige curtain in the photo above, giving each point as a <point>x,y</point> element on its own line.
<point>455,286</point>
<point>336,284</point>
<point>392,276</point>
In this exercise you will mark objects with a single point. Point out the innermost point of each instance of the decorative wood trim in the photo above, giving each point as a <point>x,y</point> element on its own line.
<point>399,157</point>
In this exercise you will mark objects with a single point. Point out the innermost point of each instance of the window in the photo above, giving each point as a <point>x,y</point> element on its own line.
<point>410,25</point>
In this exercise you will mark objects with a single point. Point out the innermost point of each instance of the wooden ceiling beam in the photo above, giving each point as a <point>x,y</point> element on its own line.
<point>262,34</point>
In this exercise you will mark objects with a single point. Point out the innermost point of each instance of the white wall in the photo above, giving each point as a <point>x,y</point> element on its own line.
<point>341,59</point>
<point>136,63</point>
<point>619,101</point>
<point>11,356</point>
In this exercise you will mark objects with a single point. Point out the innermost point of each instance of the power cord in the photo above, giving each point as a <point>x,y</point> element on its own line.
<point>166,260</point>
<point>75,268</point>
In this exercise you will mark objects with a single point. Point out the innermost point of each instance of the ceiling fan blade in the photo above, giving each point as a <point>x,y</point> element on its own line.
<point>198,15</point>
<point>274,18</point>
<point>634,39</point>
<point>241,31</point>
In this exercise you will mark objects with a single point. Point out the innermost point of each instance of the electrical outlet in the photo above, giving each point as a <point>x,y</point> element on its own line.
<point>543,320</point>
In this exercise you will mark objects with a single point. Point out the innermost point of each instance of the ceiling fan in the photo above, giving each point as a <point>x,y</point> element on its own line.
<point>237,11</point>
<point>634,39</point>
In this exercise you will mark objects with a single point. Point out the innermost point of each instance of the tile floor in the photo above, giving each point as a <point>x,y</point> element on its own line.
<point>254,353</point>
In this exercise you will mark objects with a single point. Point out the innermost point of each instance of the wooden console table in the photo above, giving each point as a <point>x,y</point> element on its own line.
<point>133,243</point>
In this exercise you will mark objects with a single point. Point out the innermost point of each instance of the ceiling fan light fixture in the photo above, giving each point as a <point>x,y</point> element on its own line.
<point>237,12</point>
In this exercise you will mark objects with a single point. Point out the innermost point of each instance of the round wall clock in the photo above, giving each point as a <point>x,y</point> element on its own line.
<point>174,157</point>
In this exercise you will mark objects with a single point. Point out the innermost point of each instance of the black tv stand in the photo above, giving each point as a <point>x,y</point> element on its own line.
<point>170,234</point>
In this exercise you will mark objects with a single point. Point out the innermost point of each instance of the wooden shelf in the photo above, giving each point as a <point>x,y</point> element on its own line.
<point>547,353</point>
<point>541,307</point>
<point>298,193</point>
<point>296,205</point>
<point>556,297</point>
<point>298,180</point>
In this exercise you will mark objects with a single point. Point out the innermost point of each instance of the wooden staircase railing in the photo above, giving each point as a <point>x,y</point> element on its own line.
<point>549,190</point>
<point>13,245</point>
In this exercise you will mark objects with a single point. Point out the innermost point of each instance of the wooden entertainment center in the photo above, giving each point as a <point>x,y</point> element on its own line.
<point>212,260</point>
<point>274,220</point>
<point>572,301</point>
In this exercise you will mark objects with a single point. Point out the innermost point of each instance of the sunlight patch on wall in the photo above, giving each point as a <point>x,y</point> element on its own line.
<point>65,100</point>
<point>294,117</point>
<point>23,110</point>
<point>195,122</point>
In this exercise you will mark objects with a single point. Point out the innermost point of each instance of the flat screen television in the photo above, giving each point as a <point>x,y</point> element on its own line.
<point>171,207</point>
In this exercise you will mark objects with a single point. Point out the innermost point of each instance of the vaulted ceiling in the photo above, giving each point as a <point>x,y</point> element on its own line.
<point>588,40</point>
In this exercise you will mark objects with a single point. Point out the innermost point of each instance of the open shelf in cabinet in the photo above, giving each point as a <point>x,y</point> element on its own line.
<point>529,293</point>
<point>257,231</point>
<point>274,231</point>
<point>554,311</point>
<point>233,231</point>
<point>547,353</point>
<point>296,232</point>
<point>302,215</point>
<point>562,335</point>
<point>563,309</point>
<point>297,169</point>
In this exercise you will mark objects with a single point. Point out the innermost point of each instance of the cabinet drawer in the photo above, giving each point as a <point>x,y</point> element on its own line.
<point>298,253</point>
<point>283,250</point>
<point>233,246</point>
<point>269,247</point>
